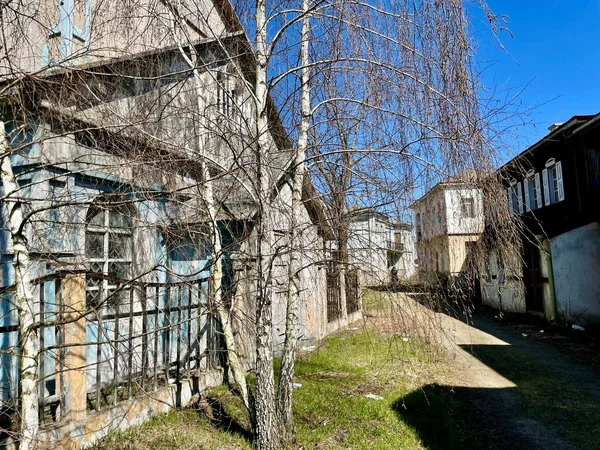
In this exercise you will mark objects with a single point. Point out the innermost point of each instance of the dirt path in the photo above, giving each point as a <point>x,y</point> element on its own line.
<point>527,395</point>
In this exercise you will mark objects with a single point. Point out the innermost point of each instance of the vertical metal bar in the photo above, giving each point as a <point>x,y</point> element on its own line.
<point>99,358</point>
<point>144,301</point>
<point>210,334</point>
<point>168,331</point>
<point>155,355</point>
<point>178,335</point>
<point>116,341</point>
<point>130,346</point>
<point>62,351</point>
<point>42,380</point>
<point>199,325</point>
<point>17,385</point>
<point>189,304</point>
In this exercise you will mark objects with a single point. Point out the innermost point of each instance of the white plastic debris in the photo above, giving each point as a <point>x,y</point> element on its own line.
<point>353,328</point>
<point>524,334</point>
<point>309,348</point>
<point>577,327</point>
<point>374,396</point>
<point>541,331</point>
<point>405,339</point>
<point>296,385</point>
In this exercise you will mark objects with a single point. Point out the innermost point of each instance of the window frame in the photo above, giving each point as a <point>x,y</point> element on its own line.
<point>552,176</point>
<point>532,188</point>
<point>467,207</point>
<point>227,97</point>
<point>515,196</point>
<point>419,225</point>
<point>105,287</point>
<point>67,32</point>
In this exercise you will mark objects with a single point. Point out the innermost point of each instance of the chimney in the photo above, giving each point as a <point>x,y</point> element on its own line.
<point>554,126</point>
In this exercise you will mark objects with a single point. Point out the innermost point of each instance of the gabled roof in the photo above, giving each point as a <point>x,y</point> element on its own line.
<point>571,127</point>
<point>467,178</point>
<point>361,213</point>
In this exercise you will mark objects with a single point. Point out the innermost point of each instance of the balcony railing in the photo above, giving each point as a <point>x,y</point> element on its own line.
<point>395,246</point>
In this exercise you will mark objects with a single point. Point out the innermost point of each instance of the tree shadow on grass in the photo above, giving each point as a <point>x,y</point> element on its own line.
<point>213,408</point>
<point>444,419</point>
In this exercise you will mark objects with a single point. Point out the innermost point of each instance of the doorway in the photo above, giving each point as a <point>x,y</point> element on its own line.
<point>532,277</point>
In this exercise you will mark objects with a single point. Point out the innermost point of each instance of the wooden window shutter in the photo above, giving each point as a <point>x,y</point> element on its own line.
<point>538,191</point>
<point>520,197</point>
<point>559,181</point>
<point>547,199</point>
<point>527,200</point>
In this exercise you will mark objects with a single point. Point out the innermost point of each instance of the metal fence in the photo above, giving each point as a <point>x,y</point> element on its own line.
<point>352,291</point>
<point>139,337</point>
<point>334,306</point>
<point>9,342</point>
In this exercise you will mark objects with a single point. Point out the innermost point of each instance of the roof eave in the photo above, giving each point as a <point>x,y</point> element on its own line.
<point>575,120</point>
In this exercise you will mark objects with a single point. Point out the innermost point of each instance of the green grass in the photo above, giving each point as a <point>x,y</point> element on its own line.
<point>331,408</point>
<point>181,430</point>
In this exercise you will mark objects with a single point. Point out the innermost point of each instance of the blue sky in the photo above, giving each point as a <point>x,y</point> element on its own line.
<point>554,54</point>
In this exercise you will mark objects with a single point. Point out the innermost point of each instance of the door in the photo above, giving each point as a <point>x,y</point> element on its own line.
<point>532,277</point>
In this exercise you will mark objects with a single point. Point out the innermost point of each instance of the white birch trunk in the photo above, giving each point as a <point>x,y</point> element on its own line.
<point>236,366</point>
<point>285,391</point>
<point>266,436</point>
<point>28,335</point>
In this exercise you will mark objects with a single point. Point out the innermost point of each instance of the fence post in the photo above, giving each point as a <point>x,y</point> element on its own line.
<point>342,289</point>
<point>74,377</point>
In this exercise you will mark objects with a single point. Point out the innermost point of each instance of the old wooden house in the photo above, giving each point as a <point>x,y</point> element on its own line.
<point>107,122</point>
<point>553,186</point>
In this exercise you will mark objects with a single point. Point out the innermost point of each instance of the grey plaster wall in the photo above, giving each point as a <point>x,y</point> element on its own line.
<point>576,269</point>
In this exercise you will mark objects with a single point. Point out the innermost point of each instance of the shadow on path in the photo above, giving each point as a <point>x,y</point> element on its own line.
<point>505,391</point>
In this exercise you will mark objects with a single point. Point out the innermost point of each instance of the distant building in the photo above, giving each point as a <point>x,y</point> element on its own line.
<point>448,221</point>
<point>377,243</point>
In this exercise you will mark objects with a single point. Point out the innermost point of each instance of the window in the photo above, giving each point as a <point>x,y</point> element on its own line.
<point>515,197</point>
<point>398,244</point>
<point>24,192</point>
<point>533,191</point>
<point>467,207</point>
<point>226,96</point>
<point>57,217</point>
<point>553,182</point>
<point>438,208</point>
<point>108,250</point>
<point>71,32</point>
<point>57,191</point>
<point>419,226</point>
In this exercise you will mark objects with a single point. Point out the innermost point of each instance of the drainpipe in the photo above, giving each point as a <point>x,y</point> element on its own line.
<point>549,295</point>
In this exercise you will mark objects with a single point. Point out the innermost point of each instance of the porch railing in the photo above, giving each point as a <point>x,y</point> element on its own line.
<point>135,340</point>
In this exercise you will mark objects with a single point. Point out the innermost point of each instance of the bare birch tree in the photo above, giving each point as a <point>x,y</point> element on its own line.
<point>376,97</point>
